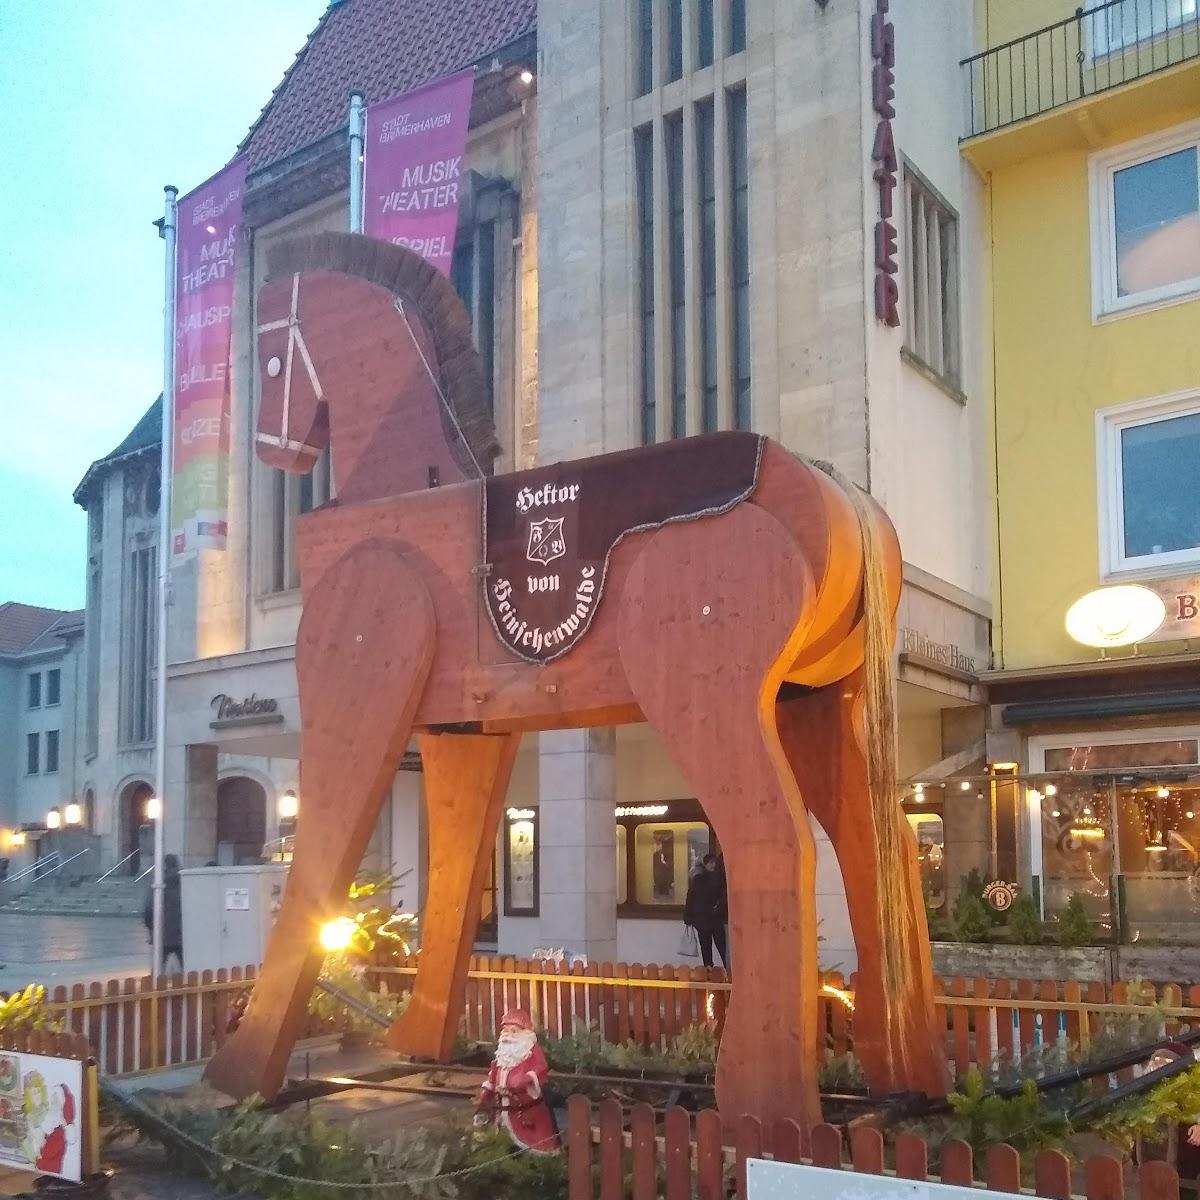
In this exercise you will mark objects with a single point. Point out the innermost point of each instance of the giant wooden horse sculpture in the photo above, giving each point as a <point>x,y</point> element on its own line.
<point>735,597</point>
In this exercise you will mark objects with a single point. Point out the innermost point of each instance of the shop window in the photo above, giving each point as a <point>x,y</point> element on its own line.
<point>521,863</point>
<point>1167,752</point>
<point>658,846</point>
<point>930,278</point>
<point>1077,847</point>
<point>35,690</point>
<point>54,686</point>
<point>1146,222</point>
<point>930,833</point>
<point>1149,456</point>
<point>33,753</point>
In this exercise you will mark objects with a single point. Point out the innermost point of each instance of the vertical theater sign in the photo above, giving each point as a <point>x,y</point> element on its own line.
<point>883,97</point>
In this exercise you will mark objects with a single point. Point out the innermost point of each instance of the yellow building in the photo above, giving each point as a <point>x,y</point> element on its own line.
<point>1086,132</point>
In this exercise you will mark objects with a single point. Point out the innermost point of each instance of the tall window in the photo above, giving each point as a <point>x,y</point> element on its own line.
<point>137,658</point>
<point>92,650</point>
<point>54,686</point>
<point>677,246</point>
<point>35,689</point>
<point>706,152</point>
<point>1149,456</point>
<point>691,184</point>
<point>473,274</point>
<point>1146,221</point>
<point>51,751</point>
<point>643,146</point>
<point>740,184</point>
<point>930,279</point>
<point>33,753</point>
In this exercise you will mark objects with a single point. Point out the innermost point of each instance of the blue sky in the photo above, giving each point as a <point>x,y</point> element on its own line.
<point>102,102</point>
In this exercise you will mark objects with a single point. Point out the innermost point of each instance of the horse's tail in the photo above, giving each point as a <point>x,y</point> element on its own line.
<point>895,926</point>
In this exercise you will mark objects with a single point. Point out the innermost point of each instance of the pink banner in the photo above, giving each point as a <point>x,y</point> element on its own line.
<point>413,167</point>
<point>209,221</point>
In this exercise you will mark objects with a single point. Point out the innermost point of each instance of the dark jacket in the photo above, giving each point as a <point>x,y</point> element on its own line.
<point>706,906</point>
<point>172,905</point>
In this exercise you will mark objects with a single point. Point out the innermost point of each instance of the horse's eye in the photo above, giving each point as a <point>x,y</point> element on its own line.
<point>274,366</point>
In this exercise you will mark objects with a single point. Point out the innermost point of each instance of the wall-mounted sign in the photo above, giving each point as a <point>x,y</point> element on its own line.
<point>1181,595</point>
<point>1000,895</point>
<point>521,863</point>
<point>249,710</point>
<point>237,899</point>
<point>41,1118</point>
<point>883,96</point>
<point>946,654</point>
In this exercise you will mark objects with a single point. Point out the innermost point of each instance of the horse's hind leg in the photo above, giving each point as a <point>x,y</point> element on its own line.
<point>897,1039</point>
<point>362,657</point>
<point>466,780</point>
<point>712,612</point>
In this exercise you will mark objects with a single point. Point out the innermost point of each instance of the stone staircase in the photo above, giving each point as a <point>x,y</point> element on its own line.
<point>116,896</point>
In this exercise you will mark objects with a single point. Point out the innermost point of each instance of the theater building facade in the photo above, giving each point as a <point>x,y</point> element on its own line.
<point>675,218</point>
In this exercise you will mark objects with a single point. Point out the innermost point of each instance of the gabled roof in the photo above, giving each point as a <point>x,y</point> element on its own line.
<point>380,48</point>
<point>145,435</point>
<point>26,627</point>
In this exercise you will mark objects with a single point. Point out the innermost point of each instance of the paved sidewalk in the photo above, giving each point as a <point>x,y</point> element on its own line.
<point>55,950</point>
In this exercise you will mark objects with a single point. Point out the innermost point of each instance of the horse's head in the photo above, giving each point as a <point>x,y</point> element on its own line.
<point>366,345</point>
<point>293,417</point>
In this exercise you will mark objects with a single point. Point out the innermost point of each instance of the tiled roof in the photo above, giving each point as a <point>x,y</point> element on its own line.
<point>22,625</point>
<point>145,435</point>
<point>381,48</point>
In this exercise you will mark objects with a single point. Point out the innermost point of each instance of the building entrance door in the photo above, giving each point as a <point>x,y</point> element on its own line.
<point>133,817</point>
<point>241,820</point>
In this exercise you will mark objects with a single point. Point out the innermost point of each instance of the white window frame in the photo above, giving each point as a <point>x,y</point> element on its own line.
<point>1103,45</point>
<point>941,316</point>
<point>1110,510</point>
<point>1102,167</point>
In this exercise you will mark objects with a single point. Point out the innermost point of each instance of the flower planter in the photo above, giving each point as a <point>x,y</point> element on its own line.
<point>970,960</point>
<point>1159,964</point>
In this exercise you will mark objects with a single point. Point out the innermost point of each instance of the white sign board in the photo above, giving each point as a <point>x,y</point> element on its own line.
<point>237,899</point>
<point>41,1115</point>
<point>786,1181</point>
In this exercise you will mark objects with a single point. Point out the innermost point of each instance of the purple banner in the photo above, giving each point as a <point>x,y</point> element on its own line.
<point>414,164</point>
<point>209,221</point>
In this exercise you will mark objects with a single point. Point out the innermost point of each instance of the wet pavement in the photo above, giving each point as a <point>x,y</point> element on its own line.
<point>54,950</point>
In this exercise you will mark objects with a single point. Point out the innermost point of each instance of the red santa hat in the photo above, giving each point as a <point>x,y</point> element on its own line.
<point>516,1018</point>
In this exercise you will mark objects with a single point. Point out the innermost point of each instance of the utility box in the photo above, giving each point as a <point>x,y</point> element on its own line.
<point>228,914</point>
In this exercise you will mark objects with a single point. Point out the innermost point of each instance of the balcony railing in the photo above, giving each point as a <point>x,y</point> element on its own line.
<point>1100,48</point>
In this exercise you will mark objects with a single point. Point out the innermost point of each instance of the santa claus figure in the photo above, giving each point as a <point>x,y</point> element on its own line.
<point>62,1133</point>
<point>513,1095</point>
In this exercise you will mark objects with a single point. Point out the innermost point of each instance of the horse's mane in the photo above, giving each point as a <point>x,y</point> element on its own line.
<point>428,293</point>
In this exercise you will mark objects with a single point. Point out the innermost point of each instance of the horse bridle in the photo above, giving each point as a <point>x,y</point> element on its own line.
<point>295,342</point>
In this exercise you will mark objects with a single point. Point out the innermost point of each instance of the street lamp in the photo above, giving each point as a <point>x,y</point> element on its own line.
<point>288,806</point>
<point>73,814</point>
<point>153,809</point>
<point>53,819</point>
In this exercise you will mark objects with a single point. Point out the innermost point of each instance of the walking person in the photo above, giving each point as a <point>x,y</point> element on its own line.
<point>172,915</point>
<point>706,909</point>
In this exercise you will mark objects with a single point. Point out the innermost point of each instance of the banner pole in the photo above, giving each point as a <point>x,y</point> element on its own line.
<point>167,231</point>
<point>358,126</point>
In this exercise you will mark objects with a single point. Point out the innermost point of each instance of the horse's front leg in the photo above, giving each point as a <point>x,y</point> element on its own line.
<point>363,653</point>
<point>466,780</point>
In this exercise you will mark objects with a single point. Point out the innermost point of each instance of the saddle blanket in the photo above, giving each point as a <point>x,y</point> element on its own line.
<point>549,532</point>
